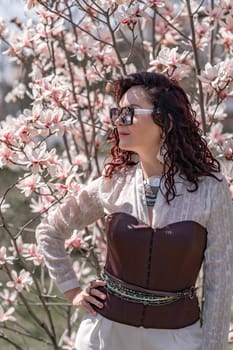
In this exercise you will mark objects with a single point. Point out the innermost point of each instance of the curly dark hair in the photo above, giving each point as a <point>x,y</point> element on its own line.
<point>184,149</point>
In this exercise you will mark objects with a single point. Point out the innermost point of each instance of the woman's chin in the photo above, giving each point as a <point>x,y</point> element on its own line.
<point>125,147</point>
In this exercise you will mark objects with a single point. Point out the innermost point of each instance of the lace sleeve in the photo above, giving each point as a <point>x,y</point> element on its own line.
<point>58,225</point>
<point>218,270</point>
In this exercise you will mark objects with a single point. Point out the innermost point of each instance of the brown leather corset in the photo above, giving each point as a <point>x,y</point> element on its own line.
<point>165,259</point>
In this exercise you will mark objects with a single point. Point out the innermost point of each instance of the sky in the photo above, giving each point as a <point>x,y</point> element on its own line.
<point>11,8</point>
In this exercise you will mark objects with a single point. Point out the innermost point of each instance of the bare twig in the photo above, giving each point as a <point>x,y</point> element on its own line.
<point>197,66</point>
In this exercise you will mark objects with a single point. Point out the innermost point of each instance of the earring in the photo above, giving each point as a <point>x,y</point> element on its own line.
<point>161,153</point>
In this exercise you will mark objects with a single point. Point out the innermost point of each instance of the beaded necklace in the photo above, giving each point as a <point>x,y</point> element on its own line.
<point>151,188</point>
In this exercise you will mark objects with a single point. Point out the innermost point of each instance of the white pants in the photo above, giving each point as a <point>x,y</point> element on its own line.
<point>99,333</point>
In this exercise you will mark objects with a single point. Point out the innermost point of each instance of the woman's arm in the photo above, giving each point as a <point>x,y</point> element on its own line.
<point>218,270</point>
<point>58,225</point>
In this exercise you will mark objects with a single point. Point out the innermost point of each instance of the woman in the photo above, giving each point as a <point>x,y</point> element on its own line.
<point>167,212</point>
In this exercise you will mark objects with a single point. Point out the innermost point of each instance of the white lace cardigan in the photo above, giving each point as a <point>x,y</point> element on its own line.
<point>210,206</point>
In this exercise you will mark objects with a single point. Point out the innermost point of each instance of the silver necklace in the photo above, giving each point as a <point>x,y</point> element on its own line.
<point>151,188</point>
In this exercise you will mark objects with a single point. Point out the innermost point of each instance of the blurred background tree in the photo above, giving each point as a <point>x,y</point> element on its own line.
<point>58,60</point>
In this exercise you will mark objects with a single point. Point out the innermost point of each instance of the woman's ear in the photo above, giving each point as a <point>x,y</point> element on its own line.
<point>156,116</point>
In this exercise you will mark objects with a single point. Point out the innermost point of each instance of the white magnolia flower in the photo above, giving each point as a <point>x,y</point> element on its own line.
<point>6,315</point>
<point>4,258</point>
<point>20,281</point>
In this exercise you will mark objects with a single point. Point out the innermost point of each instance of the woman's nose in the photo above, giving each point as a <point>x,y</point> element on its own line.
<point>119,121</point>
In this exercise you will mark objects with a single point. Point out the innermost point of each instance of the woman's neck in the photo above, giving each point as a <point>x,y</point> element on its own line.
<point>151,167</point>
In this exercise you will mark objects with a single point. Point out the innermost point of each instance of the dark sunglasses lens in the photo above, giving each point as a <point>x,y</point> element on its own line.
<point>126,119</point>
<point>125,115</point>
<point>114,115</point>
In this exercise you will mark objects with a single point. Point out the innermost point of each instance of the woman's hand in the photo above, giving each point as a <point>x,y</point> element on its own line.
<point>86,297</point>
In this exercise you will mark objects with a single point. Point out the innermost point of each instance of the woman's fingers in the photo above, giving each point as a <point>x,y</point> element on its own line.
<point>97,283</point>
<point>82,300</point>
<point>87,297</point>
<point>97,293</point>
<point>92,300</point>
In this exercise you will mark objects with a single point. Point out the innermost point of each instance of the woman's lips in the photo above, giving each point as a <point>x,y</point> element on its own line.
<point>121,133</point>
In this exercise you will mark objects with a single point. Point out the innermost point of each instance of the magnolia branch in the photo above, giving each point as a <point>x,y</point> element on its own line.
<point>197,66</point>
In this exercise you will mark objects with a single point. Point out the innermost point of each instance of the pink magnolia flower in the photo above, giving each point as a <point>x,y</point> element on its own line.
<point>215,134</point>
<point>218,77</point>
<point>18,92</point>
<point>24,134</point>
<point>228,149</point>
<point>3,256</point>
<point>216,113</point>
<point>39,205</point>
<point>226,5</point>
<point>29,184</point>
<point>69,185</point>
<point>202,33</point>
<point>175,64</point>
<point>216,13</point>
<point>228,24</point>
<point>32,253</point>
<point>170,57</point>
<point>109,3</point>
<point>31,3</point>
<point>7,135</point>
<point>17,131</point>
<point>73,185</point>
<point>32,115</point>
<point>64,170</point>
<point>39,158</point>
<point>202,28</point>
<point>157,3</point>
<point>179,72</point>
<point>69,342</point>
<point>81,160</point>
<point>59,187</point>
<point>83,49</point>
<point>7,315</point>
<point>52,89</point>
<point>20,281</point>
<point>7,156</point>
<point>210,73</point>
<point>226,38</point>
<point>9,298</point>
<point>45,15</point>
<point>51,121</point>
<point>107,57</point>
<point>130,15</point>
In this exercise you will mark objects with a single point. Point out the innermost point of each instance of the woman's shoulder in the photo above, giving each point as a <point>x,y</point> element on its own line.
<point>215,186</point>
<point>215,179</point>
<point>204,182</point>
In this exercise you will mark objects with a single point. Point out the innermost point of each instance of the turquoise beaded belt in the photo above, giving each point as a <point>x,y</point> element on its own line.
<point>137,295</point>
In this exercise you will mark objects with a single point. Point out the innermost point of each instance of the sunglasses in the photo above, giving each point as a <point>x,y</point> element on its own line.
<point>125,115</point>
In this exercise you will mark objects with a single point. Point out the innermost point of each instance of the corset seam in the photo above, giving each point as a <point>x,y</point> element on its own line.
<point>148,272</point>
<point>149,259</point>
